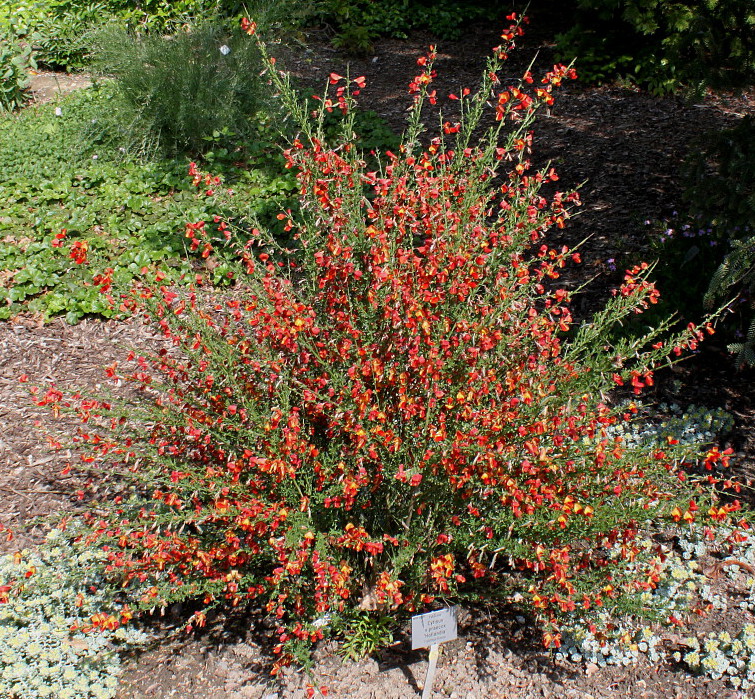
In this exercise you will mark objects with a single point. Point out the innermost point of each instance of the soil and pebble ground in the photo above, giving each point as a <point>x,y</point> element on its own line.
<point>627,147</point>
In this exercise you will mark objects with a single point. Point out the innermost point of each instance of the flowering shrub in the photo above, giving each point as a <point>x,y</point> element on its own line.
<point>389,417</point>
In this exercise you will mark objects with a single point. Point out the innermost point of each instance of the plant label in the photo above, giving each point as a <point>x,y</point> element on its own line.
<point>433,628</point>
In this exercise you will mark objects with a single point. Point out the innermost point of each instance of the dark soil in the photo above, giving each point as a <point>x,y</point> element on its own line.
<point>627,148</point>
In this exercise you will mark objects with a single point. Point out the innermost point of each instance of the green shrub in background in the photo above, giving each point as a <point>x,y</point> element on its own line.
<point>720,195</point>
<point>664,45</point>
<point>60,38</point>
<point>61,30</point>
<point>56,29</point>
<point>15,62</point>
<point>159,16</point>
<point>357,23</point>
<point>175,91</point>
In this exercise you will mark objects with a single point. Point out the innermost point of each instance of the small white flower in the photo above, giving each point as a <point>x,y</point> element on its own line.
<point>225,50</point>
<point>58,111</point>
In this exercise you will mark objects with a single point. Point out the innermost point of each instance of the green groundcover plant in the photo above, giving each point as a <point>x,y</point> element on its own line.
<point>80,217</point>
<point>400,412</point>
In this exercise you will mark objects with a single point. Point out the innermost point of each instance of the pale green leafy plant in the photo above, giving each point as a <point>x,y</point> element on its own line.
<point>366,633</point>
<point>49,644</point>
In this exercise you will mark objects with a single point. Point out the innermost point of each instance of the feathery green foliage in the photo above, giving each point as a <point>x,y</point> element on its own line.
<point>737,271</point>
<point>175,91</point>
<point>721,192</point>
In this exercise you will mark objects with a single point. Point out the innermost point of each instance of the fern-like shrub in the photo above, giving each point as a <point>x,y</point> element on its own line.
<point>176,91</point>
<point>737,271</point>
<point>721,192</point>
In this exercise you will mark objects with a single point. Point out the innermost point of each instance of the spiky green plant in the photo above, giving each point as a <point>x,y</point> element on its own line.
<point>175,91</point>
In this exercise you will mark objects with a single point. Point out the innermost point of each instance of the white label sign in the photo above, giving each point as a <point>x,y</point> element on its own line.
<point>433,628</point>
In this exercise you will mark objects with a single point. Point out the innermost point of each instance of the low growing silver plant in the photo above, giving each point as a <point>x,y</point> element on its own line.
<point>52,643</point>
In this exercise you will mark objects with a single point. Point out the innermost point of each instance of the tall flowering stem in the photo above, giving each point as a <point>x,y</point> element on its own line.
<point>390,416</point>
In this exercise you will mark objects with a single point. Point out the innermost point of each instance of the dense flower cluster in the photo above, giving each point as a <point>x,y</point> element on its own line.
<point>389,415</point>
